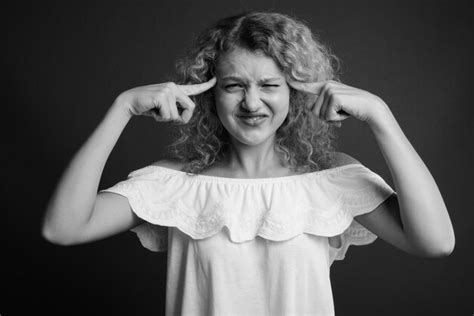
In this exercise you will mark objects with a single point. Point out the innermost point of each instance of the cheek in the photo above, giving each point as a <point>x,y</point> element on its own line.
<point>281,103</point>
<point>225,103</point>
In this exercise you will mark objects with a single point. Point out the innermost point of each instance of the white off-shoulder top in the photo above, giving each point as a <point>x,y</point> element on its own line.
<point>252,246</point>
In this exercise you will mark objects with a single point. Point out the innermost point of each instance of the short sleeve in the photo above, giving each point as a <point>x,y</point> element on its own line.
<point>360,191</point>
<point>137,188</point>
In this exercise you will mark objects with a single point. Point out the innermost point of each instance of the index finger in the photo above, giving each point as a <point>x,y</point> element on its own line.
<point>194,89</point>
<point>309,87</point>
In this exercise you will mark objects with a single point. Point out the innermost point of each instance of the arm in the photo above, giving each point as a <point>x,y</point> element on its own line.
<point>384,221</point>
<point>416,222</point>
<point>75,197</point>
<point>425,221</point>
<point>76,213</point>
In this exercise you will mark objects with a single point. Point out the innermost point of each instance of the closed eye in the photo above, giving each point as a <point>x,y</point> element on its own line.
<point>233,86</point>
<point>238,86</point>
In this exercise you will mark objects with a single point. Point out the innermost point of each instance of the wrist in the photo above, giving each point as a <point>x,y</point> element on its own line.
<point>121,107</point>
<point>381,117</point>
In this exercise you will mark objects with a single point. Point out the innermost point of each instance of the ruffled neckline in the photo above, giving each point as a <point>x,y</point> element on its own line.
<point>209,178</point>
<point>322,203</point>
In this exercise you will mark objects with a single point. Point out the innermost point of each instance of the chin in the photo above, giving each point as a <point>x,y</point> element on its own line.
<point>252,140</point>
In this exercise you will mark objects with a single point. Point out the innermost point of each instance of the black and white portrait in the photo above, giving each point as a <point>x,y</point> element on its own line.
<point>238,158</point>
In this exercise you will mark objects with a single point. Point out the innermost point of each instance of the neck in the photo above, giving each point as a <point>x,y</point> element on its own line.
<point>253,161</point>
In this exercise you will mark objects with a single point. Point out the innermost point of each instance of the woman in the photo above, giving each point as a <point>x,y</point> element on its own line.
<point>256,204</point>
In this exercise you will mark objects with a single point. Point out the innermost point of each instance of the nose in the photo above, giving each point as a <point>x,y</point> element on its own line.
<point>251,101</point>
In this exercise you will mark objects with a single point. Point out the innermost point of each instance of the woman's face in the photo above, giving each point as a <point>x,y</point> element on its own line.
<point>251,95</point>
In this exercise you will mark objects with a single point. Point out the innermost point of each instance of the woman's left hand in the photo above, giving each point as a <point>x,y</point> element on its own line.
<point>336,101</point>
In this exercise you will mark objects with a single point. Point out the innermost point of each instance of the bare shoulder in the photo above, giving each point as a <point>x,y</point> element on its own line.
<point>342,159</point>
<point>171,164</point>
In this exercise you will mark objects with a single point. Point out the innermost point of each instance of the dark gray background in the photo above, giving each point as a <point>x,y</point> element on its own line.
<point>65,63</point>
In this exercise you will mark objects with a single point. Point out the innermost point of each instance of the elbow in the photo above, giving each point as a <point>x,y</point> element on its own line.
<point>441,245</point>
<point>448,246</point>
<point>448,250</point>
<point>439,251</point>
<point>54,237</point>
<point>58,231</point>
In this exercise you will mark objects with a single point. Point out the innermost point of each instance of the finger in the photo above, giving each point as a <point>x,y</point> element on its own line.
<point>309,87</point>
<point>326,106</point>
<point>334,109</point>
<point>310,100</point>
<point>343,114</point>
<point>186,104</point>
<point>186,115</point>
<point>155,115</point>
<point>320,102</point>
<point>163,109</point>
<point>335,123</point>
<point>194,89</point>
<point>332,119</point>
<point>148,113</point>
<point>334,116</point>
<point>173,108</point>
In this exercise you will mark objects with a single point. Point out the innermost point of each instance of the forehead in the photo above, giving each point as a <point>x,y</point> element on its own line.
<point>248,64</point>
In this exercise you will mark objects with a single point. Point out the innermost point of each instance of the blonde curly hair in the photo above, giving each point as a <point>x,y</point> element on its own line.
<point>305,143</point>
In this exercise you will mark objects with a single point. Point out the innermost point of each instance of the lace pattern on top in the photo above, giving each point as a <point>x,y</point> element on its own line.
<point>322,203</point>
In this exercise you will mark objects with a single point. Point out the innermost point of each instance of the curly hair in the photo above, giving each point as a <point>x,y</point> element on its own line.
<point>304,142</point>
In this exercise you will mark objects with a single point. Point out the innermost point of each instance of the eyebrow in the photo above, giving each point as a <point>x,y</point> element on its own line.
<point>260,81</point>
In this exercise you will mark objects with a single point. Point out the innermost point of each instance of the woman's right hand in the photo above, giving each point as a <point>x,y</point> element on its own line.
<point>161,101</point>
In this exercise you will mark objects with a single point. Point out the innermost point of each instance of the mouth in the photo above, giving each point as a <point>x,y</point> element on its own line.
<point>252,120</point>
